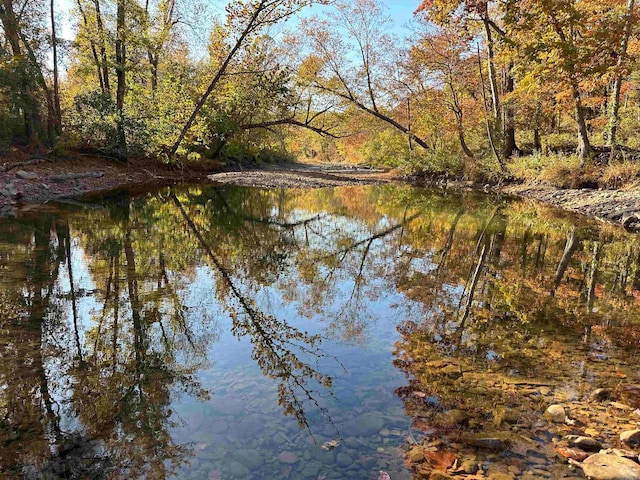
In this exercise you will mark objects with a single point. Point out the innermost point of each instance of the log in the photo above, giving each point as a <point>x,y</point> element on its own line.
<point>75,176</point>
<point>7,167</point>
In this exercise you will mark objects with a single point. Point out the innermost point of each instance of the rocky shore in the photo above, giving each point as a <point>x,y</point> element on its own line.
<point>39,181</point>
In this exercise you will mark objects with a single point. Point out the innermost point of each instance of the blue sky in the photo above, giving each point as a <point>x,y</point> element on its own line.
<point>400,10</point>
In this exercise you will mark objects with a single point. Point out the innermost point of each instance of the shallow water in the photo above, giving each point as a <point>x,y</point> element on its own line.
<point>231,333</point>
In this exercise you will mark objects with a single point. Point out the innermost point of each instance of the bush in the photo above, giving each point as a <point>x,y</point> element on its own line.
<point>620,174</point>
<point>436,162</point>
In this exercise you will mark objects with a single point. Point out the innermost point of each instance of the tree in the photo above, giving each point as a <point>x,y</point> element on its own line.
<point>629,21</point>
<point>443,56</point>
<point>247,18</point>
<point>347,61</point>
<point>474,16</point>
<point>567,42</point>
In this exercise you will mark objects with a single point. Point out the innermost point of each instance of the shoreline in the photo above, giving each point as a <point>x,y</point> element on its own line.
<point>22,187</point>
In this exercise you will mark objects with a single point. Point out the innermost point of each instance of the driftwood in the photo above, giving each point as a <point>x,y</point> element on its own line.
<point>75,176</point>
<point>8,167</point>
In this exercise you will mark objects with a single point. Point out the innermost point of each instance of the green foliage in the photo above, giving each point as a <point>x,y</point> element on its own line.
<point>436,162</point>
<point>388,148</point>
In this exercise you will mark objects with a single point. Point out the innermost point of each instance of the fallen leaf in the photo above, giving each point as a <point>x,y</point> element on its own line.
<point>573,453</point>
<point>441,460</point>
<point>383,475</point>
<point>330,445</point>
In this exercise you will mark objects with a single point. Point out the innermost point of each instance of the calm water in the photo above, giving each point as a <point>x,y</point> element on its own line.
<point>230,333</point>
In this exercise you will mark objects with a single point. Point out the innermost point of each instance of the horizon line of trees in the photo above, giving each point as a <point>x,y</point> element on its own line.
<point>474,79</point>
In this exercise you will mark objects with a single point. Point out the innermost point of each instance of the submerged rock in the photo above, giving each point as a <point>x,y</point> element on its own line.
<point>288,457</point>
<point>368,424</point>
<point>555,414</point>
<point>600,395</point>
<point>630,437</point>
<point>587,444</point>
<point>610,467</point>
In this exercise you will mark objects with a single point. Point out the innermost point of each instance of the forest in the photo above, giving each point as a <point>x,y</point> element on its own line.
<point>533,89</point>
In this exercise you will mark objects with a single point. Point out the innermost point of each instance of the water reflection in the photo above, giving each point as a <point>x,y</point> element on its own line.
<point>164,335</point>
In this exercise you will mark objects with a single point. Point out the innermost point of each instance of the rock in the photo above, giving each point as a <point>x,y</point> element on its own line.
<point>600,395</point>
<point>415,454</point>
<point>555,414</point>
<point>251,459</point>
<point>630,437</point>
<point>458,417</point>
<point>288,458</point>
<point>620,452</point>
<point>629,394</point>
<point>587,444</point>
<point>368,424</point>
<point>343,460</point>
<point>470,467</point>
<point>311,469</point>
<point>238,470</point>
<point>26,175</point>
<point>438,475</point>
<point>487,443</point>
<point>326,457</point>
<point>610,467</point>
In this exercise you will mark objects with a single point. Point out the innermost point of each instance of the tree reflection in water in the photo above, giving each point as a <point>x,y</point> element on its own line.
<point>107,317</point>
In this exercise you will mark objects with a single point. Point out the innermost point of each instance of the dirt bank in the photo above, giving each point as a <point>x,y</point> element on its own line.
<point>27,179</point>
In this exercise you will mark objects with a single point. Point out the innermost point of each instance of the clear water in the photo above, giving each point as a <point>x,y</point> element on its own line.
<point>228,333</point>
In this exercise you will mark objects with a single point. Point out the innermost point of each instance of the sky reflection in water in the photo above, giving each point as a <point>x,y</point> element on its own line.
<point>166,335</point>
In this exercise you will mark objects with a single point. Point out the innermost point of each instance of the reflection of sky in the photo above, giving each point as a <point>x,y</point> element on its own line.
<point>364,377</point>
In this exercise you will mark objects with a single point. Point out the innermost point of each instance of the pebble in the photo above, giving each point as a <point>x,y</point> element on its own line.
<point>26,175</point>
<point>438,475</point>
<point>600,395</point>
<point>630,437</point>
<point>288,457</point>
<point>343,460</point>
<point>587,444</point>
<point>555,414</point>
<point>469,467</point>
<point>610,467</point>
<point>368,424</point>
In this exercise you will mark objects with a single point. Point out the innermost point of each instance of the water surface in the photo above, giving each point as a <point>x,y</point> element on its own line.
<point>232,333</point>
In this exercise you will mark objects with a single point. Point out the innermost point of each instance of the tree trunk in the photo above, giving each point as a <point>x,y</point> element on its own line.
<point>584,146</point>
<point>569,249</point>
<point>121,77</point>
<point>56,86</point>
<point>503,167</point>
<point>103,49</point>
<point>493,82</point>
<point>510,146</point>
<point>617,84</point>
<point>221,71</point>
<point>94,51</point>
<point>463,143</point>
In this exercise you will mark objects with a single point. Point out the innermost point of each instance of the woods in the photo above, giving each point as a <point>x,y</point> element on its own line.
<point>467,88</point>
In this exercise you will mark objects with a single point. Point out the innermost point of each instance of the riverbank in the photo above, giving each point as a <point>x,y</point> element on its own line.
<point>26,181</point>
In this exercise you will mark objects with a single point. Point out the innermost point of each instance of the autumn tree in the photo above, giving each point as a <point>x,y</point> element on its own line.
<point>442,58</point>
<point>570,43</point>
<point>245,19</point>
<point>346,60</point>
<point>482,16</point>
